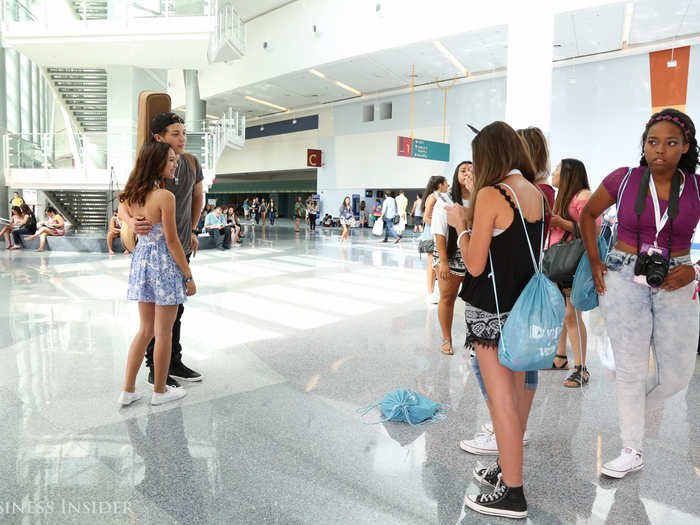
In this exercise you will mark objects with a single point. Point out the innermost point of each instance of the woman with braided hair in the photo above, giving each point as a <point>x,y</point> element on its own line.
<point>647,283</point>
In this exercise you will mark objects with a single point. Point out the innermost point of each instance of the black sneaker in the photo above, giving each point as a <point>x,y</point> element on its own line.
<point>183,373</point>
<point>508,502</point>
<point>487,475</point>
<point>169,381</point>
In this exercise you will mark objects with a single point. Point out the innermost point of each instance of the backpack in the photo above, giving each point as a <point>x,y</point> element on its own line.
<point>406,406</point>
<point>530,335</point>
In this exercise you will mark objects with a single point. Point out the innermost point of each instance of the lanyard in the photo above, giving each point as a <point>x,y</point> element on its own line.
<point>658,219</point>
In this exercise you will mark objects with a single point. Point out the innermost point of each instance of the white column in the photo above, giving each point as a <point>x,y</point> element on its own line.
<point>529,81</point>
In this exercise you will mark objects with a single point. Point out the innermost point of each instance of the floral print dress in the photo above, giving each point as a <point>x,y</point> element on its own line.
<point>155,277</point>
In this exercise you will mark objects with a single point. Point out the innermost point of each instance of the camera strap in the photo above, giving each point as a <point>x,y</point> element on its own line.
<point>647,185</point>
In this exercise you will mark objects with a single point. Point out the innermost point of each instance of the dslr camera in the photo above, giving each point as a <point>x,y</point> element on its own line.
<point>653,266</point>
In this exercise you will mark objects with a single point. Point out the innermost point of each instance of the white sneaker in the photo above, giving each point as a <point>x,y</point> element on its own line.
<point>170,394</point>
<point>488,427</point>
<point>434,298</point>
<point>482,444</point>
<point>629,460</point>
<point>126,398</point>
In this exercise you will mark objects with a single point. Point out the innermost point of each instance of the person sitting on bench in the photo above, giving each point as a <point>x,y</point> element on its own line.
<point>215,224</point>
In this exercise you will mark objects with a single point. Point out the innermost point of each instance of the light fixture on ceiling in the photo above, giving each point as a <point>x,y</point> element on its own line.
<point>265,103</point>
<point>317,73</point>
<point>450,57</point>
<point>627,26</point>
<point>348,88</point>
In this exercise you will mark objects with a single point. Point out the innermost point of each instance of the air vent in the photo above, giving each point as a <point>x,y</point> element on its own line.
<point>385,111</point>
<point>368,113</point>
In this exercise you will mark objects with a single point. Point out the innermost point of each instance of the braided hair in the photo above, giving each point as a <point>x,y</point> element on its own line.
<point>689,160</point>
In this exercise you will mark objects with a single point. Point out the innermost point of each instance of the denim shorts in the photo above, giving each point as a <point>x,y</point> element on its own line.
<point>531,378</point>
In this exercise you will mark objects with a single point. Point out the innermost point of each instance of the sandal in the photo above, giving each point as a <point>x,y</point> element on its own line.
<point>578,377</point>
<point>565,366</point>
<point>450,350</point>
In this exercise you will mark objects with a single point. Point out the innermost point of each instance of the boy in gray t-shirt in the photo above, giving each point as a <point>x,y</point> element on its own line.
<point>187,188</point>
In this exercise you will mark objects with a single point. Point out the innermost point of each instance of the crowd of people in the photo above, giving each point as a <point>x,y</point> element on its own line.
<point>503,208</point>
<point>22,225</point>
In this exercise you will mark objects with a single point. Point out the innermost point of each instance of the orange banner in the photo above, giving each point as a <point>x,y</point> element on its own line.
<point>669,81</point>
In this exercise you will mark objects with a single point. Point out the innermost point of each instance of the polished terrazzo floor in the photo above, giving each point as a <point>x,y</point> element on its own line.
<point>293,333</point>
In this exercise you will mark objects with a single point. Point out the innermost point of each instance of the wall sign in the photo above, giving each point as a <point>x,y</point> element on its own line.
<point>423,149</point>
<point>314,158</point>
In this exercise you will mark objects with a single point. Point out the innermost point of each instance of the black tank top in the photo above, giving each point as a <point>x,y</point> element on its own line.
<point>512,265</point>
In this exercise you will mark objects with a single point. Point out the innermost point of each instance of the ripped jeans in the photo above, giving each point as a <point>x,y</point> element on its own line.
<point>636,318</point>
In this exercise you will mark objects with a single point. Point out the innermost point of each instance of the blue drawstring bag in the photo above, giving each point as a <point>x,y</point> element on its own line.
<point>530,335</point>
<point>406,406</point>
<point>584,296</point>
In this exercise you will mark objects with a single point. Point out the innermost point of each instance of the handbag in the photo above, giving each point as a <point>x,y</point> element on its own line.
<point>530,335</point>
<point>406,406</point>
<point>378,228</point>
<point>426,244</point>
<point>560,261</point>
<point>584,296</point>
<point>396,219</point>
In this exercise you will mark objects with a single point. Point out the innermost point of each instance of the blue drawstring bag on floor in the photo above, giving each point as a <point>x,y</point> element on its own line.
<point>584,296</point>
<point>406,406</point>
<point>530,335</point>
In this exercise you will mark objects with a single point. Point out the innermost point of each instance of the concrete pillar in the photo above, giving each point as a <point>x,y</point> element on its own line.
<point>529,80</point>
<point>196,109</point>
<point>36,102</point>
<point>16,105</point>
<point>4,199</point>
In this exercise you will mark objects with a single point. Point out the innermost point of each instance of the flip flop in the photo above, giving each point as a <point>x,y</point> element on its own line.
<point>450,350</point>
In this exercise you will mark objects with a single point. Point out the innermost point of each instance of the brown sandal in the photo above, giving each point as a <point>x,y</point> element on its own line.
<point>450,350</point>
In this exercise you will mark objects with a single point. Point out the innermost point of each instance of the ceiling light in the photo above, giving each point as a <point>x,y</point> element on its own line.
<point>627,26</point>
<point>348,88</point>
<point>450,57</point>
<point>270,104</point>
<point>317,73</point>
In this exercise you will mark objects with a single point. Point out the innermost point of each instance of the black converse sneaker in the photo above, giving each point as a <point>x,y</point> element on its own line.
<point>487,475</point>
<point>507,502</point>
<point>180,371</point>
<point>169,381</point>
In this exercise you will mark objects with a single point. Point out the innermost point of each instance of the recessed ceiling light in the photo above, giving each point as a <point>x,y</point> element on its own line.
<point>317,73</point>
<point>265,103</point>
<point>348,88</point>
<point>450,57</point>
<point>627,25</point>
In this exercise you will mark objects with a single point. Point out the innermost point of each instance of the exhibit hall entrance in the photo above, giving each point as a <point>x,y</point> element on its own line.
<point>281,186</point>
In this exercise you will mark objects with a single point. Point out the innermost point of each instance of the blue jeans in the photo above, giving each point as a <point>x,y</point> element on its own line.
<point>636,318</point>
<point>531,378</point>
<point>389,228</point>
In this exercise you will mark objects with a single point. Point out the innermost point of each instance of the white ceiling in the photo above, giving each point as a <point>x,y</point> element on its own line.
<point>248,9</point>
<point>576,34</point>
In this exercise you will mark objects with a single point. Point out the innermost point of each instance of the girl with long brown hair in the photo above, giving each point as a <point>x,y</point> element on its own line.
<point>571,179</point>
<point>436,184</point>
<point>160,276</point>
<point>447,259</point>
<point>506,214</point>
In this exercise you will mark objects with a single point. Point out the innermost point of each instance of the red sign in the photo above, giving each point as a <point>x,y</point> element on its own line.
<point>404,149</point>
<point>314,158</point>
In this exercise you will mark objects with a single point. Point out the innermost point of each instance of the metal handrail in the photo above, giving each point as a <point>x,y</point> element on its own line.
<point>19,4</point>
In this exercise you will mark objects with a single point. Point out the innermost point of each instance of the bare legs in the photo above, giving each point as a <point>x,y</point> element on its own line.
<point>508,403</point>
<point>42,233</point>
<point>5,232</point>
<point>346,232</point>
<point>430,274</point>
<point>446,307</point>
<point>573,323</point>
<point>111,235</point>
<point>154,321</point>
<point>298,223</point>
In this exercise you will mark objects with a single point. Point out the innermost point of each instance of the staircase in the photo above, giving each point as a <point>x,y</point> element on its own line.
<point>84,93</point>
<point>87,211</point>
<point>89,9</point>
